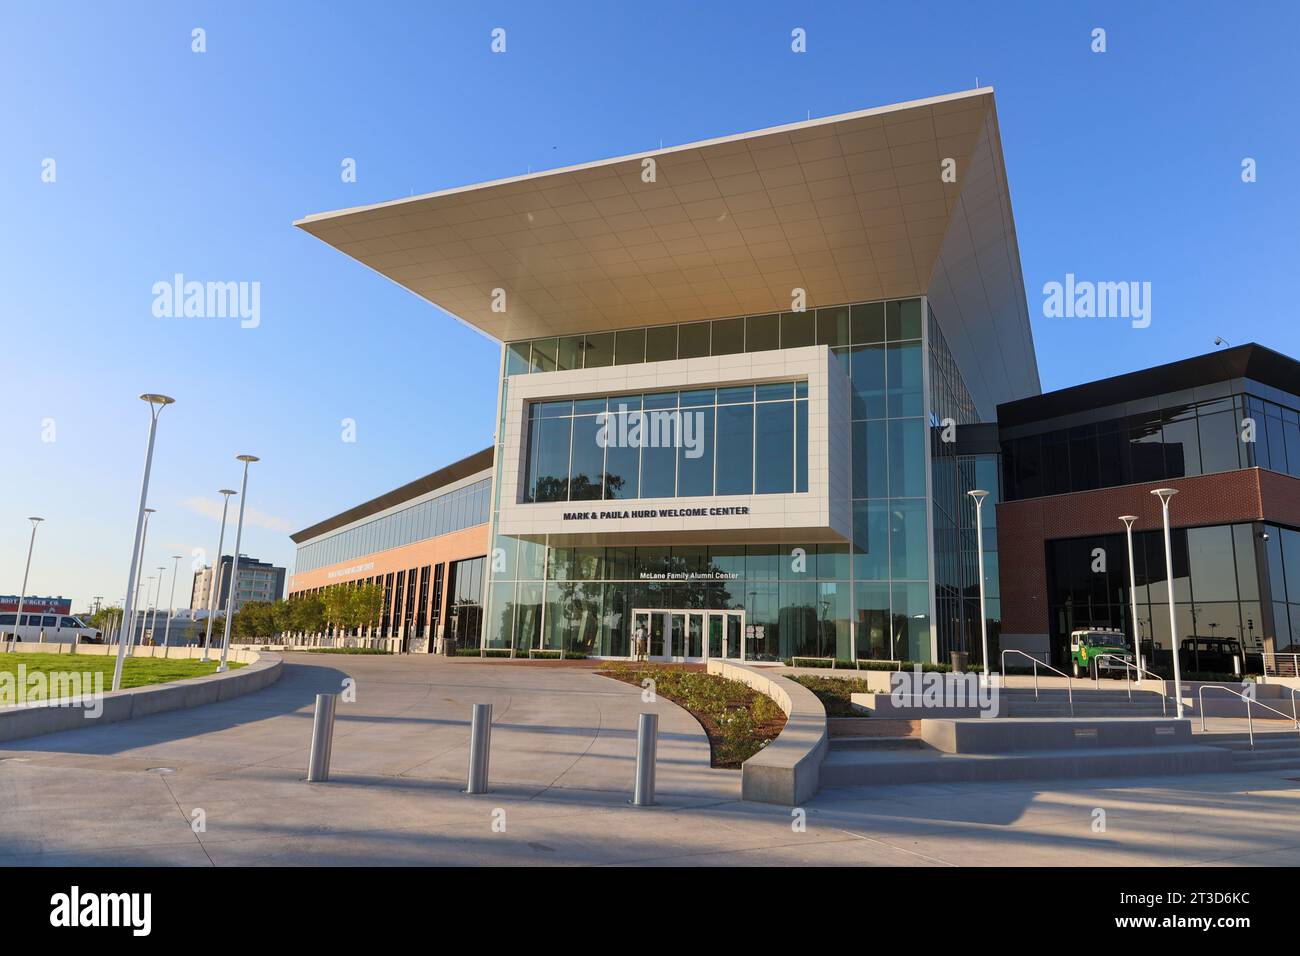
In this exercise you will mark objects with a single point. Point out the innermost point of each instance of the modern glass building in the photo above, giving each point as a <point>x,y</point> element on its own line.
<point>423,543</point>
<point>1223,430</point>
<point>745,385</point>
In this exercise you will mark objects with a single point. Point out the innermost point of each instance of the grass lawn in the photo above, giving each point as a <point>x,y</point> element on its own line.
<point>739,721</point>
<point>136,671</point>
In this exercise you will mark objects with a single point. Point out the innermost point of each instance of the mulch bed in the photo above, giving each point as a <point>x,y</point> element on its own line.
<point>766,730</point>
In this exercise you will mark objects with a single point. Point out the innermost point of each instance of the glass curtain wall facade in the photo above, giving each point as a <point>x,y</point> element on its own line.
<point>1282,553</point>
<point>441,514</point>
<point>1217,585</point>
<point>956,543</point>
<point>1171,436</point>
<point>809,600</point>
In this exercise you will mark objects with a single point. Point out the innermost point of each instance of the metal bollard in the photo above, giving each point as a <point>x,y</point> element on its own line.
<point>322,738</point>
<point>480,743</point>
<point>647,735</point>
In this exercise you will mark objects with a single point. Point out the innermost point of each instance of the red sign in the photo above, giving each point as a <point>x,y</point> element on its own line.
<point>44,605</point>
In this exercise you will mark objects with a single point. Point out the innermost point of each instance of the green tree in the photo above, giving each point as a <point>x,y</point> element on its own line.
<point>307,613</point>
<point>337,603</point>
<point>365,604</point>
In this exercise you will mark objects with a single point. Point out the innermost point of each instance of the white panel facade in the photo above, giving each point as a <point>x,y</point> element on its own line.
<point>821,514</point>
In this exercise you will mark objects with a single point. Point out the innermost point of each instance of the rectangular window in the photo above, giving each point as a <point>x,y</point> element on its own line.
<point>693,340</point>
<point>833,326</point>
<point>728,336</point>
<point>622,460</point>
<point>695,457</point>
<point>798,329</point>
<point>867,378</point>
<point>905,379</point>
<point>735,441</point>
<point>661,344</point>
<point>774,447</point>
<point>598,350</point>
<point>762,333</point>
<point>588,459</point>
<point>544,355</point>
<point>907,458</point>
<point>659,455</point>
<point>569,353</point>
<point>801,446</point>
<point>517,358</point>
<point>549,459</point>
<point>867,323</point>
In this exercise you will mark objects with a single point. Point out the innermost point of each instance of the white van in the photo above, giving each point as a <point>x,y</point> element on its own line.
<point>58,628</point>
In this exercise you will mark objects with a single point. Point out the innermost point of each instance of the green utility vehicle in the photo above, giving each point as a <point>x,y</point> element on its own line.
<point>1090,647</point>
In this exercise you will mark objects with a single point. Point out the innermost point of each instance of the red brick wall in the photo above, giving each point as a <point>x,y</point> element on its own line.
<point>1251,494</point>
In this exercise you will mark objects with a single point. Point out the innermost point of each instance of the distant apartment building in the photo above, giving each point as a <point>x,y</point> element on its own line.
<point>258,581</point>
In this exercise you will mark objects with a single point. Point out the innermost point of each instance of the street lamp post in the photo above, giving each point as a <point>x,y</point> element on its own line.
<point>22,596</point>
<point>171,613</point>
<point>234,568</point>
<point>156,404</point>
<point>157,599</point>
<point>1132,593</point>
<point>216,569</point>
<point>979,495</point>
<point>130,628</point>
<point>144,615</point>
<point>1164,494</point>
<point>139,569</point>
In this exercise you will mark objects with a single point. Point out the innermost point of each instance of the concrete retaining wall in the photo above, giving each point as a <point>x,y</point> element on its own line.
<point>787,771</point>
<point>17,723</point>
<point>975,736</point>
<point>242,655</point>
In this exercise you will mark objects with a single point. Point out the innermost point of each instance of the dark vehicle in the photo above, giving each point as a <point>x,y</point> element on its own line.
<point>1215,654</point>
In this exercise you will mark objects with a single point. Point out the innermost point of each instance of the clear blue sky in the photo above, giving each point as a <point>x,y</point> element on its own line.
<point>1123,165</point>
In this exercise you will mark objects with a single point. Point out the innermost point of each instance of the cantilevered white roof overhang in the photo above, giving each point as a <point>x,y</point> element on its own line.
<point>849,208</point>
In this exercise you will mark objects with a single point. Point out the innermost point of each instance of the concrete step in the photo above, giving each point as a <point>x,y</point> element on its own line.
<point>1268,742</point>
<point>855,768</point>
<point>1259,762</point>
<point>877,743</point>
<point>1081,709</point>
<point>1118,696</point>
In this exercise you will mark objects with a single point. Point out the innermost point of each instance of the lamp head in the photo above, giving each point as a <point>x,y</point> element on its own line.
<point>153,398</point>
<point>247,458</point>
<point>1128,519</point>
<point>35,520</point>
<point>1164,494</point>
<point>150,511</point>
<point>227,492</point>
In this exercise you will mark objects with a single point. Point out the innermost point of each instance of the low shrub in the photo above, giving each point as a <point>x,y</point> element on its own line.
<point>344,650</point>
<point>835,692</point>
<point>739,721</point>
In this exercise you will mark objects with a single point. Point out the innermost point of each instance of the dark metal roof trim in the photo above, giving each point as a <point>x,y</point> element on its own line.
<point>1242,361</point>
<point>479,461</point>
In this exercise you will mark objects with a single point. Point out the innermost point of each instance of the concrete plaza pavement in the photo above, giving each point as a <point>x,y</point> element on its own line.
<point>561,772</point>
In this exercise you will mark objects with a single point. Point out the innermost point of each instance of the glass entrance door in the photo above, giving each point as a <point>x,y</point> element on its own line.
<point>687,635</point>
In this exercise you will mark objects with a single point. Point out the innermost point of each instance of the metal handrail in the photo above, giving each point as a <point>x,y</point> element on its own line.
<point>1250,723</point>
<point>1164,684</point>
<point>1069,685</point>
<point>1277,661</point>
